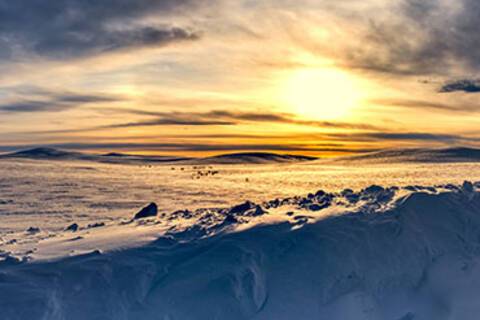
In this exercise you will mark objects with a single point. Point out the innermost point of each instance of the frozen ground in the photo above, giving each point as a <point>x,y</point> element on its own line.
<point>395,253</point>
<point>373,253</point>
<point>54,194</point>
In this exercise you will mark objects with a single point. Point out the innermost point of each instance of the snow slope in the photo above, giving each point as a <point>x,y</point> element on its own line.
<point>381,253</point>
<point>426,155</point>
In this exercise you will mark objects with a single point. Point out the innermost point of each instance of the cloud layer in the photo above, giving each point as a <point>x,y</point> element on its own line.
<point>65,28</point>
<point>222,118</point>
<point>465,85</point>
<point>45,101</point>
<point>242,57</point>
<point>415,37</point>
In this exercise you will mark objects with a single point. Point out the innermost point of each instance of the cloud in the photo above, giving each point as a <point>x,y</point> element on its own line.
<point>414,136</point>
<point>428,105</point>
<point>224,117</point>
<point>414,37</point>
<point>403,136</point>
<point>171,121</point>
<point>65,29</point>
<point>465,85</point>
<point>52,102</point>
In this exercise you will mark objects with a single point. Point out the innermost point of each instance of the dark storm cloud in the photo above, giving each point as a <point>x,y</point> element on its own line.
<point>66,28</point>
<point>52,102</point>
<point>465,85</point>
<point>420,37</point>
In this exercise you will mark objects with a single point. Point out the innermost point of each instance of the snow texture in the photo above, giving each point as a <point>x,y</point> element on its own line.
<point>378,254</point>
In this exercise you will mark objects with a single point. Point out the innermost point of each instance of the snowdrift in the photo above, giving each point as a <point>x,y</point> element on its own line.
<point>382,253</point>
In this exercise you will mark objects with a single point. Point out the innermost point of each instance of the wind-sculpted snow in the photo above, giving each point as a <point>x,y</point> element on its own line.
<point>381,253</point>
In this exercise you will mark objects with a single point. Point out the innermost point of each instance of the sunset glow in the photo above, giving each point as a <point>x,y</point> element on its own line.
<point>322,94</point>
<point>237,75</point>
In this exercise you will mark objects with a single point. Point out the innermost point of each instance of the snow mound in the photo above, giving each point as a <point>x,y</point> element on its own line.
<point>382,254</point>
<point>459,154</point>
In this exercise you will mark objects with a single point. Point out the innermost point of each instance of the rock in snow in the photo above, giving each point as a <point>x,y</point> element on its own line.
<point>33,230</point>
<point>149,211</point>
<point>73,227</point>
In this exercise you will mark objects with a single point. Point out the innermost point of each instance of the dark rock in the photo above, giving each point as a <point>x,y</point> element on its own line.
<point>186,214</point>
<point>230,219</point>
<point>374,189</point>
<point>468,186</point>
<point>275,203</point>
<point>320,193</point>
<point>352,198</point>
<point>242,208</point>
<point>258,211</point>
<point>149,211</point>
<point>318,207</point>
<point>96,225</point>
<point>346,192</point>
<point>73,227</point>
<point>33,230</point>
<point>305,202</point>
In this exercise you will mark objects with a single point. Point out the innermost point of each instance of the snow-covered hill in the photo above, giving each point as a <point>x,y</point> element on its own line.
<point>46,153</point>
<point>377,254</point>
<point>459,154</point>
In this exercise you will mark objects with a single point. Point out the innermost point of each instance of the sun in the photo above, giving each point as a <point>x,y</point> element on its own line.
<point>323,93</point>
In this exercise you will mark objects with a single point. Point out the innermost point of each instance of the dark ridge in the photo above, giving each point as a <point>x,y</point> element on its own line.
<point>43,153</point>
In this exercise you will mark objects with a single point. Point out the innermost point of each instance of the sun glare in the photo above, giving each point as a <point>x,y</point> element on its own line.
<point>321,93</point>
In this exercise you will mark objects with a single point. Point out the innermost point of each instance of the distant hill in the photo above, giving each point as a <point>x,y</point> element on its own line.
<point>57,154</point>
<point>459,154</point>
<point>45,153</point>
<point>254,157</point>
<point>114,157</point>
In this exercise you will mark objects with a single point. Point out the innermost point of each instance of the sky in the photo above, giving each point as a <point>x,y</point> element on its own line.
<point>195,77</point>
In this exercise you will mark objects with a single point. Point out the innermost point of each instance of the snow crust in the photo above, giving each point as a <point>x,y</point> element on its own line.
<point>379,253</point>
